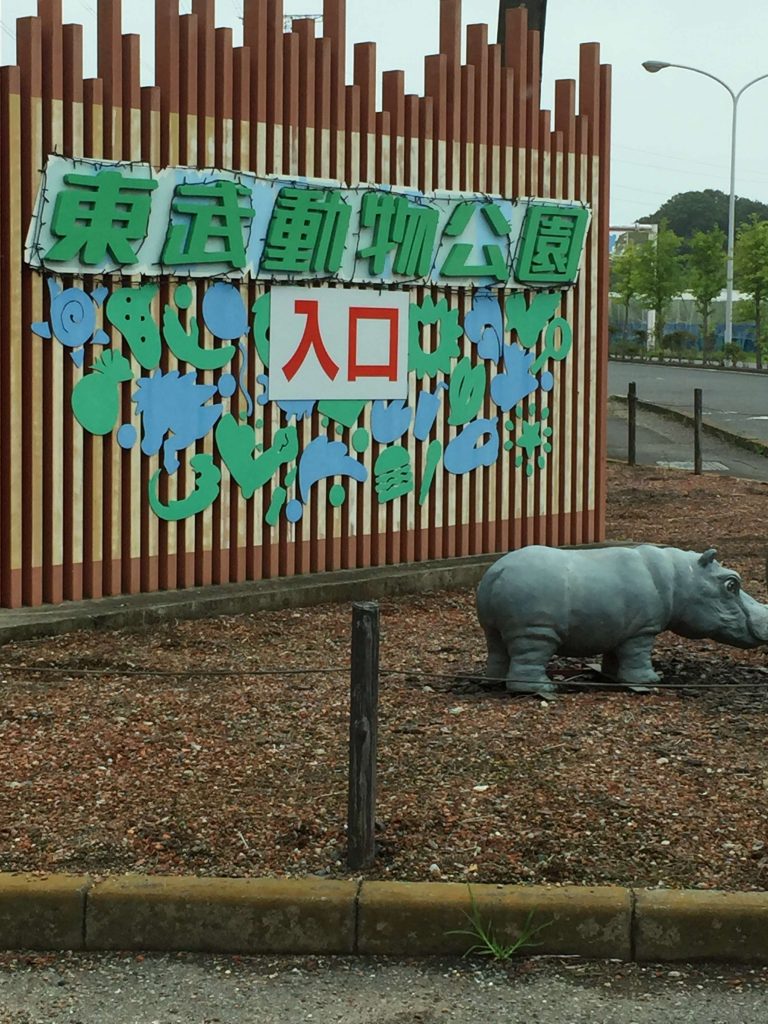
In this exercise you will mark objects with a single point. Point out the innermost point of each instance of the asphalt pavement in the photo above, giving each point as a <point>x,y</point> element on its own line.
<point>737,401</point>
<point>731,400</point>
<point>90,989</point>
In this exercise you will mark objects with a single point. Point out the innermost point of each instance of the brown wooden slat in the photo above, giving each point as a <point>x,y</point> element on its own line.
<point>11,360</point>
<point>304,28</point>
<point>110,65</point>
<point>73,499</point>
<point>603,284</point>
<point>255,21</point>
<point>167,64</point>
<point>29,55</point>
<point>577,357</point>
<point>334,29</point>
<point>52,355</point>
<point>589,105</point>
<point>94,448</point>
<point>274,83</point>
<point>365,80</point>
<point>151,146</point>
<point>205,73</point>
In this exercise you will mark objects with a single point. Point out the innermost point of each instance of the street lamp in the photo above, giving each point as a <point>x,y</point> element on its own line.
<point>653,66</point>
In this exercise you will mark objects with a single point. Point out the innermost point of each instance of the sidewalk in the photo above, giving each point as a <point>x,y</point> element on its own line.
<point>666,440</point>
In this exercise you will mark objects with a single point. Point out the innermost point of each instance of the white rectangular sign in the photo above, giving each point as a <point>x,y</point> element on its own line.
<point>341,343</point>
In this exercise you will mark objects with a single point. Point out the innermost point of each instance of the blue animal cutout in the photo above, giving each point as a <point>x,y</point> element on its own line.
<point>389,420</point>
<point>323,458</point>
<point>462,455</point>
<point>73,319</point>
<point>170,402</point>
<point>224,311</point>
<point>517,381</point>
<point>427,408</point>
<point>484,325</point>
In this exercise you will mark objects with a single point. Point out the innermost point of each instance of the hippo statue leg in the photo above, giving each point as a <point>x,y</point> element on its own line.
<point>529,654</point>
<point>497,665</point>
<point>631,661</point>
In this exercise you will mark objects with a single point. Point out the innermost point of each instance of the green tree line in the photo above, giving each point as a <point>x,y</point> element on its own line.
<point>656,271</point>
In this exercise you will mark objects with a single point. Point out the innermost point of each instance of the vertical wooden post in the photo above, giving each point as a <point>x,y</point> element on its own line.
<point>632,424</point>
<point>697,467</point>
<point>363,732</point>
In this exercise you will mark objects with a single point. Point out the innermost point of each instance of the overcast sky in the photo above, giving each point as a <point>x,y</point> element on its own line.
<point>671,131</point>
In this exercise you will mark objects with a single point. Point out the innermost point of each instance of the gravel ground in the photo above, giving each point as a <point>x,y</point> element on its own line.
<point>208,990</point>
<point>219,770</point>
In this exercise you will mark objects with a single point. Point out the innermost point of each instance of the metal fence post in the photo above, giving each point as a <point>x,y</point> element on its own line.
<point>697,464</point>
<point>632,424</point>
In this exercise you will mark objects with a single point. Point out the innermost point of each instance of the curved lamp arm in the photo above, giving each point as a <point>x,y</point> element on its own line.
<point>748,85</point>
<point>658,65</point>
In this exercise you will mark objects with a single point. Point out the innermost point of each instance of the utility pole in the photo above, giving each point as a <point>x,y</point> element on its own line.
<point>537,16</point>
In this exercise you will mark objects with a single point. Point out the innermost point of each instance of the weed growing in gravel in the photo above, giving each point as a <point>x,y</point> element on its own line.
<point>488,944</point>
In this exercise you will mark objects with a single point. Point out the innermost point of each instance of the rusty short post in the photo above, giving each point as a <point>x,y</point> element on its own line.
<point>363,733</point>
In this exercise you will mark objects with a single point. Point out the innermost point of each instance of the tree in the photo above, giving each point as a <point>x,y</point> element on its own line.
<point>706,275</point>
<point>624,280</point>
<point>689,212</point>
<point>660,275</point>
<point>751,273</point>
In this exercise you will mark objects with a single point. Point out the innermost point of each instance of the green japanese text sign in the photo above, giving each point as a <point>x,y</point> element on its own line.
<point>108,217</point>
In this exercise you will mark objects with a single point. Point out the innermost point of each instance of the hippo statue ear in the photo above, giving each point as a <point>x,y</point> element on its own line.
<point>709,556</point>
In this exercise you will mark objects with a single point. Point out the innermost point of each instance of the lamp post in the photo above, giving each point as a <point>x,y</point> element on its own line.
<point>659,65</point>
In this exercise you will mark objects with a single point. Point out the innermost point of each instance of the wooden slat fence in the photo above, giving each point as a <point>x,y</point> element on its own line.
<point>74,519</point>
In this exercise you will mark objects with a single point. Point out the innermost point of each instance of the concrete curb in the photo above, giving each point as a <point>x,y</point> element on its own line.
<point>693,364</point>
<point>750,444</point>
<point>139,610</point>
<point>324,916</point>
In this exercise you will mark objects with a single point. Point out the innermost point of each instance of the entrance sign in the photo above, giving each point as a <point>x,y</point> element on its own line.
<point>108,217</point>
<point>249,332</point>
<point>342,343</point>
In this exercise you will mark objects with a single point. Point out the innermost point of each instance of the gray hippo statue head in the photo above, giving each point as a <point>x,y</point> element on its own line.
<point>716,607</point>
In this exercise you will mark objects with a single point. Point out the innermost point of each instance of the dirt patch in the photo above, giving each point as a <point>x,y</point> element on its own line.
<point>243,774</point>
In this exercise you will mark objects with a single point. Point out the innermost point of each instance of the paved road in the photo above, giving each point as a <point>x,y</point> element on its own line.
<point>663,442</point>
<point>97,989</point>
<point>736,401</point>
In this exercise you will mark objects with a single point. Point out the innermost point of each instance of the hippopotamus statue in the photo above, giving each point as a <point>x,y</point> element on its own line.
<point>540,601</point>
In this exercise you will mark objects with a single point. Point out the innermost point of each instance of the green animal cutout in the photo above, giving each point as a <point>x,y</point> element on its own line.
<point>237,443</point>
<point>207,479</point>
<point>130,311</point>
<point>467,391</point>
<point>186,346</point>
<point>96,396</point>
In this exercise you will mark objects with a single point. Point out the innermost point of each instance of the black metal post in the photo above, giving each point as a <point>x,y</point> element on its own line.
<point>632,424</point>
<point>363,732</point>
<point>697,464</point>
